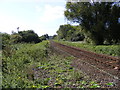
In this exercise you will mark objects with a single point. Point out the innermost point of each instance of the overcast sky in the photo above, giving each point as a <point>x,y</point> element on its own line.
<point>42,16</point>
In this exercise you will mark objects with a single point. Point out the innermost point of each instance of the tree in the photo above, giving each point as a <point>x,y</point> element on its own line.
<point>54,37</point>
<point>16,38</point>
<point>5,39</point>
<point>69,33</point>
<point>29,36</point>
<point>44,37</point>
<point>113,34</point>
<point>94,19</point>
<point>62,32</point>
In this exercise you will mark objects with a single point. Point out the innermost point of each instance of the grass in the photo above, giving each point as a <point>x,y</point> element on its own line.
<point>36,66</point>
<point>113,50</point>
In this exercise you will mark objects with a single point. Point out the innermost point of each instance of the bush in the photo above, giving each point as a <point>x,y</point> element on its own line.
<point>15,66</point>
<point>29,36</point>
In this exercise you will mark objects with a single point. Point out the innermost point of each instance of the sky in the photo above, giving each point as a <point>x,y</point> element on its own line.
<point>42,16</point>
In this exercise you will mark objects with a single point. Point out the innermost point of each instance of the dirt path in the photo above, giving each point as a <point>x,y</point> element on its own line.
<point>96,66</point>
<point>97,74</point>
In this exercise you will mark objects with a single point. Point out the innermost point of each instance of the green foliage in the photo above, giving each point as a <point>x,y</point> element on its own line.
<point>110,84</point>
<point>44,37</point>
<point>16,67</point>
<point>99,20</point>
<point>60,74</point>
<point>5,39</point>
<point>22,36</point>
<point>16,38</point>
<point>70,33</point>
<point>33,66</point>
<point>29,36</point>
<point>54,37</point>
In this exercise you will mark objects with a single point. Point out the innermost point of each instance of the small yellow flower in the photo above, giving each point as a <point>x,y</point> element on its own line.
<point>33,86</point>
<point>57,79</point>
<point>19,77</point>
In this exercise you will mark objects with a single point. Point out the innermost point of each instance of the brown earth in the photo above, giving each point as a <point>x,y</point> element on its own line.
<point>98,67</point>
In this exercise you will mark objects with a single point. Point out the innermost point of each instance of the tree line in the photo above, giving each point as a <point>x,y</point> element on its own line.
<point>99,22</point>
<point>28,36</point>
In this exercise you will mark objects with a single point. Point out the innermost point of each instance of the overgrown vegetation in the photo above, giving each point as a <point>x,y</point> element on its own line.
<point>25,36</point>
<point>58,73</point>
<point>100,21</point>
<point>28,62</point>
<point>16,63</point>
<point>35,66</point>
<point>70,33</point>
<point>113,50</point>
<point>28,36</point>
<point>44,37</point>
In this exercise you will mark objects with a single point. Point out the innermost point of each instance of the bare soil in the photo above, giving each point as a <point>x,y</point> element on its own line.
<point>101,68</point>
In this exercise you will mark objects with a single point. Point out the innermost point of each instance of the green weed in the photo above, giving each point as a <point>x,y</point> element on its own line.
<point>35,66</point>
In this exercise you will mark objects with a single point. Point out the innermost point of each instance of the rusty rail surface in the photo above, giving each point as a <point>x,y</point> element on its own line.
<point>104,60</point>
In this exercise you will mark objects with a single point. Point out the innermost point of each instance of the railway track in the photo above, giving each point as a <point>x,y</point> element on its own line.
<point>108,63</point>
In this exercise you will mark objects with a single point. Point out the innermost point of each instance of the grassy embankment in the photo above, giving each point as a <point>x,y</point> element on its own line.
<point>113,50</point>
<point>35,66</point>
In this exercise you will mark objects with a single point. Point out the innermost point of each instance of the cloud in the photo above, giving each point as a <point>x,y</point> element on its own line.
<point>47,19</point>
<point>38,9</point>
<point>52,13</point>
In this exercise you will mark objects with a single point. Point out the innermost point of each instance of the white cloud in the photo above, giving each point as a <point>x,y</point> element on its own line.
<point>38,9</point>
<point>49,17</point>
<point>52,13</point>
<point>47,22</point>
